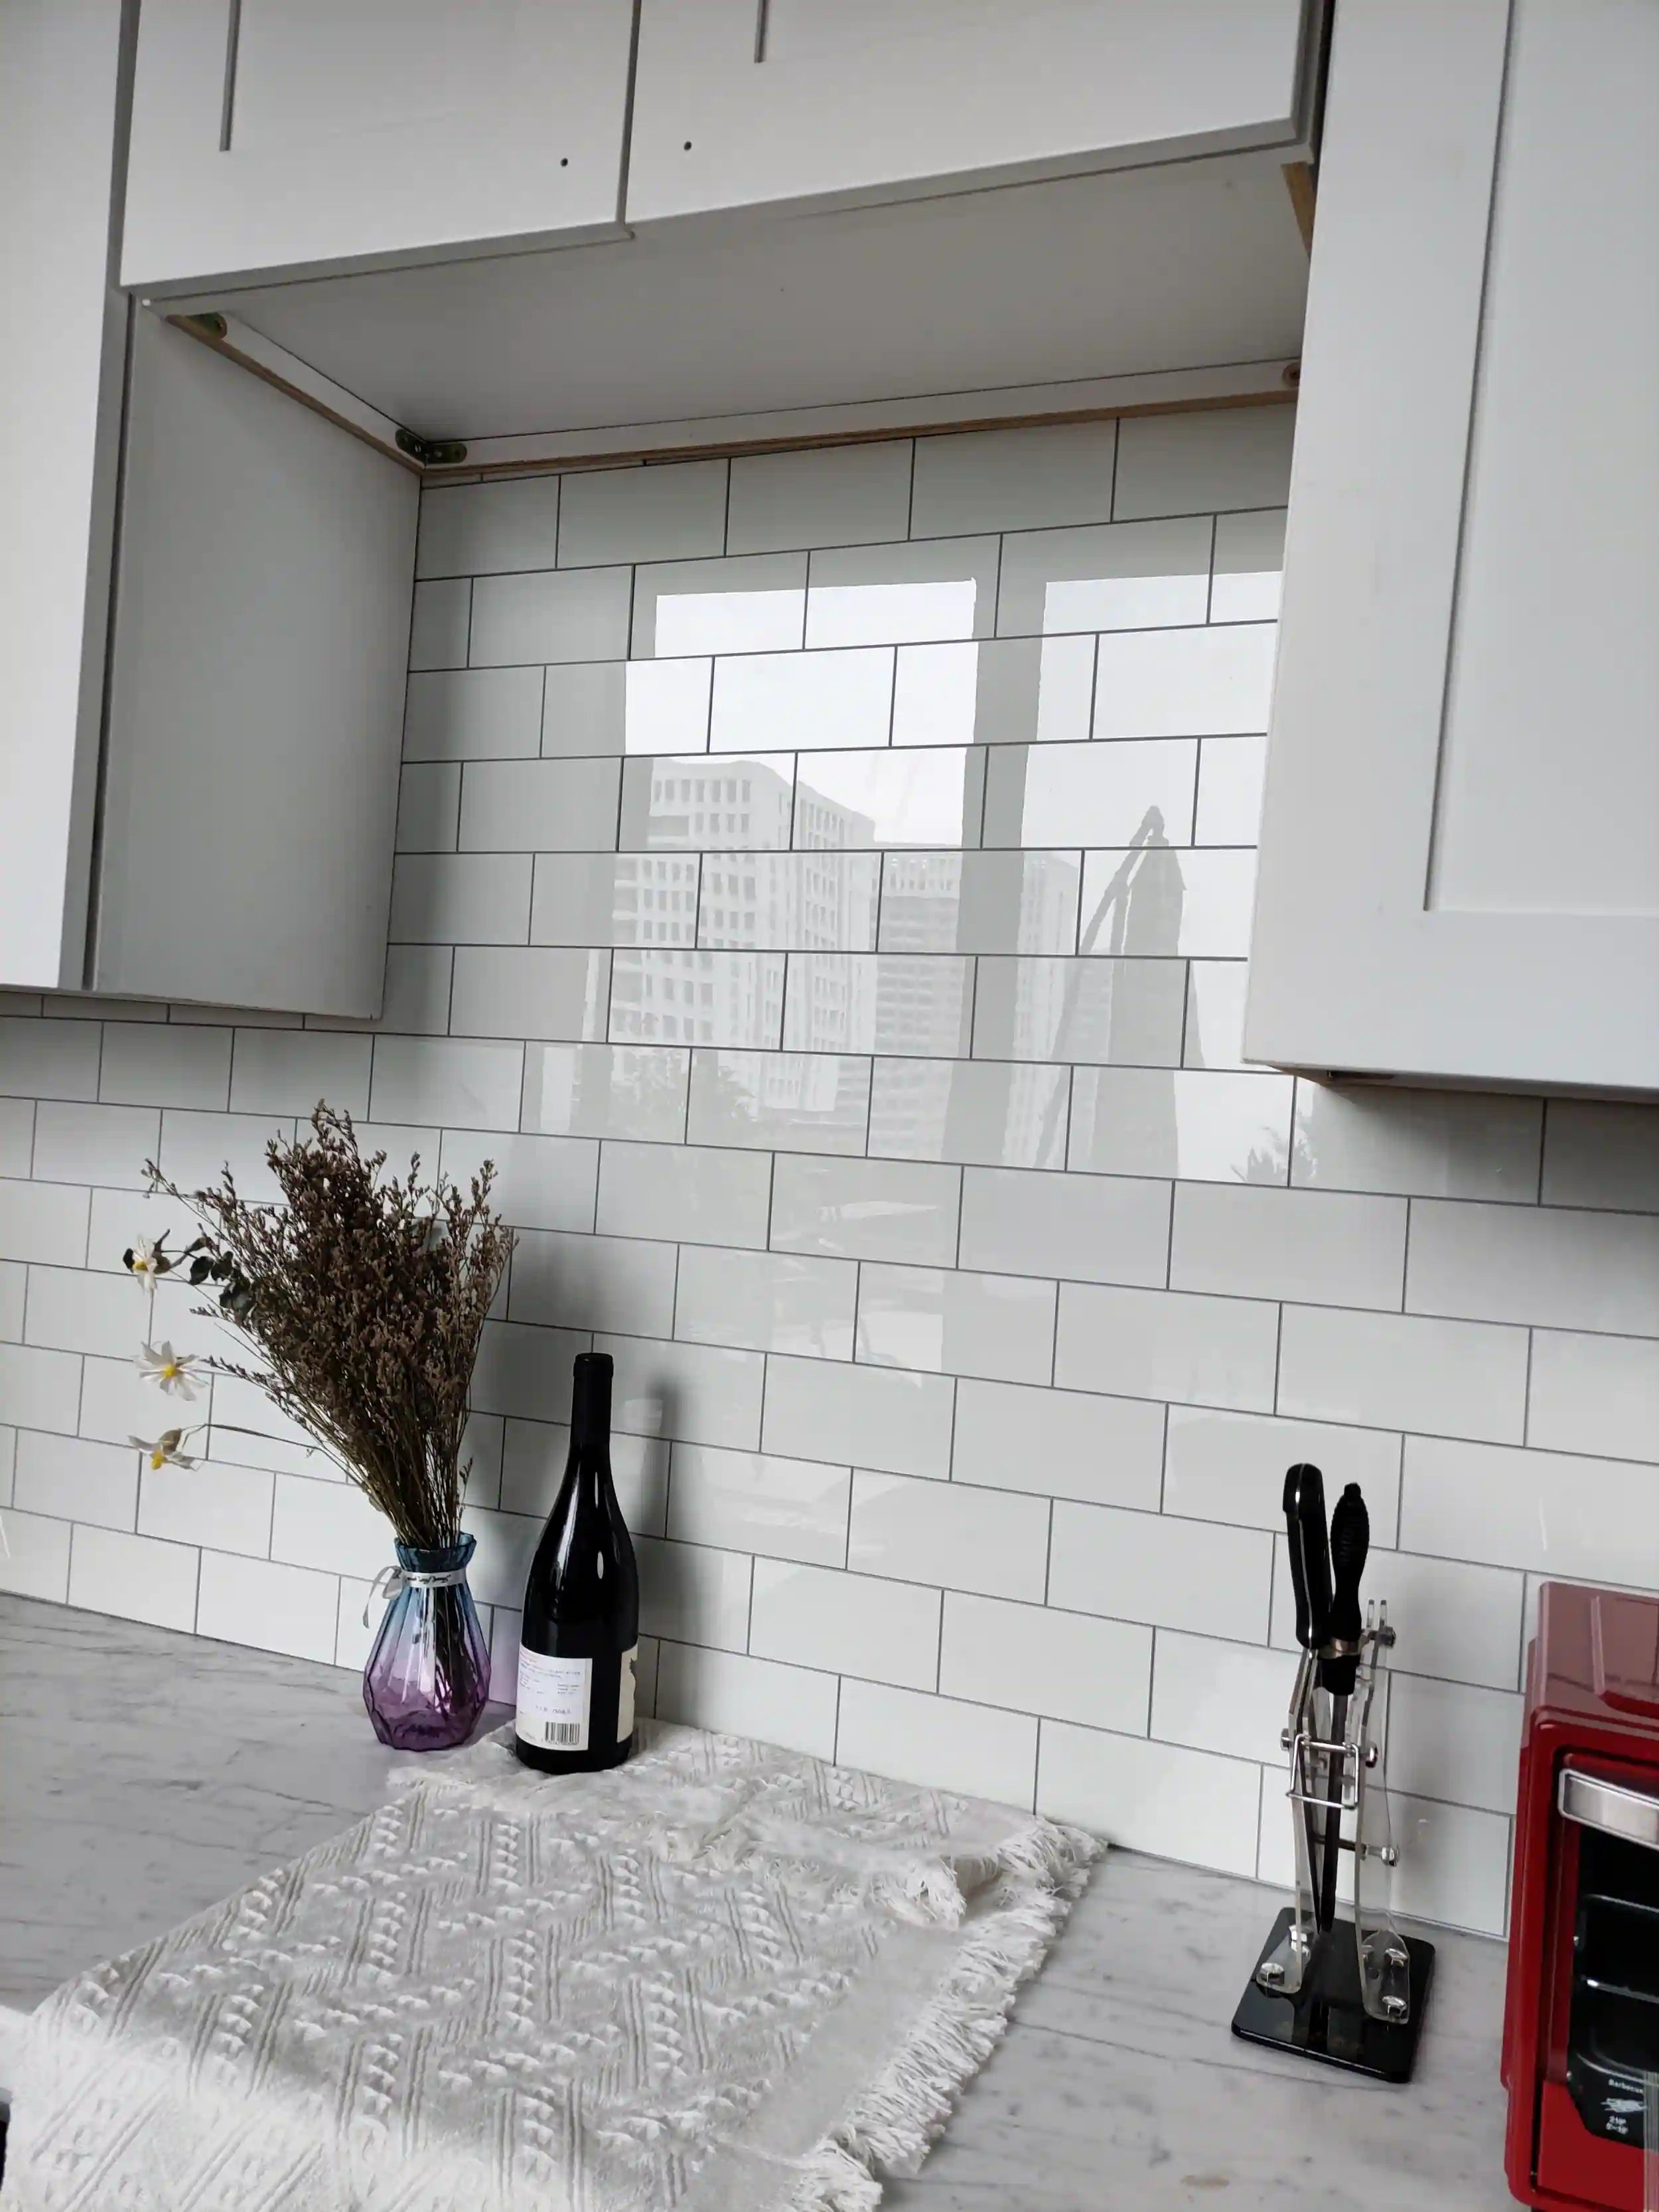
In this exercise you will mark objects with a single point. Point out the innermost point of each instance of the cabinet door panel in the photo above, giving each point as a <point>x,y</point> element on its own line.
<point>738,103</point>
<point>264,579</point>
<point>1467,697</point>
<point>308,134</point>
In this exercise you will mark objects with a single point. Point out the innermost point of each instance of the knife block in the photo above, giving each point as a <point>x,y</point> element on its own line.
<point>1345,1992</point>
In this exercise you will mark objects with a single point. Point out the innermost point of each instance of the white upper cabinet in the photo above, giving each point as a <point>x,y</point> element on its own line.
<point>62,329</point>
<point>1460,851</point>
<point>313,134</point>
<point>741,103</point>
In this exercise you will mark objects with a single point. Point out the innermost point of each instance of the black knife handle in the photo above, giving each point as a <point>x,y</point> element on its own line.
<point>1350,1541</point>
<point>1293,1541</point>
<point>1310,1573</point>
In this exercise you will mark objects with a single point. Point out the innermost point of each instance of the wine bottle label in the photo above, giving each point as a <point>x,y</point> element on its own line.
<point>555,1699</point>
<point>625,1695</point>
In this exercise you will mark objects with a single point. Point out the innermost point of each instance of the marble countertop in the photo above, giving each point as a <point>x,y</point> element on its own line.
<point>144,1774</point>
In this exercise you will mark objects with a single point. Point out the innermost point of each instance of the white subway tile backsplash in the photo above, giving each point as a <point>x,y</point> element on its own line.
<point>1092,1229</point>
<point>524,1372</point>
<point>106,1145</point>
<point>879,1002</point>
<point>439,625</point>
<point>816,1102</point>
<point>1230,1697</point>
<point>994,1541</point>
<point>468,898</point>
<point>866,1209</point>
<point>1432,1144</point>
<point>872,1417</point>
<point>1215,1018</point>
<point>743,1501</point>
<point>691,1595</point>
<point>571,1281</point>
<point>687,802</point>
<point>530,991</point>
<point>448,1081</point>
<point>273,1606</point>
<point>980,902</point>
<point>806,701</point>
<point>902,594</point>
<point>1166,1344</point>
<point>41,1059</point>
<point>76,1478</point>
<point>1157,1797</point>
<point>289,1071</point>
<point>328,1524</point>
<point>1541,1264</point>
<point>1229,776</point>
<point>534,1458</point>
<point>754,605</point>
<point>146,1063</point>
<point>485,529</point>
<point>1249,556</point>
<point>1014,479</point>
<point>1590,1520</point>
<point>72,1311</point>
<point>942,1320</point>
<point>17,1119</point>
<point>1001,691</point>
<point>1105,579</point>
<point>667,511</point>
<point>1453,1743</point>
<point>930,795</point>
<point>749,1696</point>
<point>1246,1240</point>
<point>733,1000</point>
<point>698,1195</point>
<point>225,1507</point>
<point>983,1112</point>
<point>835,496</point>
<point>36,1560</point>
<point>1034,1659</point>
<point>940,1743</point>
<point>1400,1371</point>
<point>1123,1012</point>
<point>44,1221</point>
<point>1229,457</point>
<point>1201,1575</point>
<point>119,1401</point>
<point>812,901</point>
<point>476,713</point>
<point>429,806</point>
<point>1152,899</point>
<point>1099,795</point>
<point>1454,1862</point>
<point>583,707</point>
<point>695,1393</point>
<point>767,1302</point>
<point>1594,1394</point>
<point>136,1578</point>
<point>1185,683</point>
<point>571,615</point>
<point>1598,1152</point>
<point>1058,1443</point>
<point>40,1389</point>
<point>607,1091</point>
<point>531,807</point>
<point>850,1624</point>
<point>590,899</point>
<point>665,707</point>
<point>541,1182</point>
<point>415,1001</point>
<point>1230,1466</point>
<point>13,1282</point>
<point>1456,1622</point>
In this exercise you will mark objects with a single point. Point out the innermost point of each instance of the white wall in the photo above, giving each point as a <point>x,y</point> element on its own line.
<point>968,1298</point>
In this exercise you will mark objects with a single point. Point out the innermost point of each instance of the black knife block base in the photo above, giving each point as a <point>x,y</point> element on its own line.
<point>1326,2021</point>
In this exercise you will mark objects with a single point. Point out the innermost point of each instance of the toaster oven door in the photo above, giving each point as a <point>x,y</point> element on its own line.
<point>1613,2037</point>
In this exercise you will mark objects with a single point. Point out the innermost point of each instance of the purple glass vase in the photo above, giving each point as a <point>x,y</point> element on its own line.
<point>428,1677</point>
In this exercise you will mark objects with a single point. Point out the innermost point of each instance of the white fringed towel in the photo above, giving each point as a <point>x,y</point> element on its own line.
<point>723,1978</point>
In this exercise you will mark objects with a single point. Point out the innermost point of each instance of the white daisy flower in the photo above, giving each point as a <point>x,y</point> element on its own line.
<point>165,1449</point>
<point>146,1261</point>
<point>178,1372</point>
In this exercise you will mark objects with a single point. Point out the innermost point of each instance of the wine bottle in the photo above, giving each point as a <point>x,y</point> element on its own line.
<point>581,1636</point>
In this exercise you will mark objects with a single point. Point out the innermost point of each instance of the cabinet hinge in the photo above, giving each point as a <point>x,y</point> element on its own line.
<point>431,453</point>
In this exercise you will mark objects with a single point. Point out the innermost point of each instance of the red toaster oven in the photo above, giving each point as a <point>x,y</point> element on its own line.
<point>1580,2015</point>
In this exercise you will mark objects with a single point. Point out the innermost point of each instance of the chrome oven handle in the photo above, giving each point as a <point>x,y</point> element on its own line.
<point>1610,1807</point>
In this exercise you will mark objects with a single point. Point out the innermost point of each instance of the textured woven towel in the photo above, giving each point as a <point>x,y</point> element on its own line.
<point>722,1979</point>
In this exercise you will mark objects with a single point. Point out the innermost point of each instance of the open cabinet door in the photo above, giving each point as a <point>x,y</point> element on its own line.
<point>264,579</point>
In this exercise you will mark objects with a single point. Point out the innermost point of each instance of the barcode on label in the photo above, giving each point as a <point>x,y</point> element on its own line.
<point>561,1735</point>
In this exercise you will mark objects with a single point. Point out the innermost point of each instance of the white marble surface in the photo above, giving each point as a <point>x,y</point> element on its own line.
<point>143,1774</point>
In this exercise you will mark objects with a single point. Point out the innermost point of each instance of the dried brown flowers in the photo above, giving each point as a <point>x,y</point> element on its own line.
<point>360,1300</point>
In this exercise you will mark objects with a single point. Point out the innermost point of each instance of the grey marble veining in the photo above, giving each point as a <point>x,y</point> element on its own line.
<point>143,1774</point>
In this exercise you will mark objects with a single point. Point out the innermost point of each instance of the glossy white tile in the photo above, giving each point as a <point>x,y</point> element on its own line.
<point>988,1113</point>
<point>856,1625</point>
<point>44,1221</point>
<point>1455,1622</point>
<point>48,1059</point>
<point>146,1063</point>
<point>1174,1345</point>
<point>813,1102</point>
<point>273,1607</point>
<point>1157,1797</point>
<point>1230,773</point>
<point>665,511</point>
<point>1548,1512</point>
<point>1092,1229</point>
<point>584,899</point>
<point>1215,1017</point>
<point>1547,1265</point>
<point>1433,1144</point>
<point>1037,1659</point>
<point>694,1195</point>
<point>17,1118</point>
<point>1203,1576</point>
<point>136,1578</point>
<point>584,707</point>
<point>1449,1741</point>
<point>541,1182</point>
<point>802,701</point>
<point>447,1081</point>
<point>547,616</point>
<point>13,1282</point>
<point>440,620</point>
<point>289,1070</point>
<point>481,714</point>
<point>37,1562</point>
<point>40,1389</point>
<point>866,1209</point>
<point>946,1320</point>
<point>1194,1123</point>
<point>790,902</point>
<point>535,1454</point>
<point>485,529</point>
<point>767,1302</point>
<point>1325,1247</point>
<point>1105,579</point>
<point>1455,1378</point>
<point>71,1309</point>
<point>994,1541</point>
<point>930,796</point>
<point>416,998</point>
<point>691,1393</point>
<point>1152,900</point>
<point>328,1524</point>
<point>1228,1698</point>
<point>1599,1152</point>
<point>607,1091</point>
<point>980,902</point>
<point>579,1281</point>
<point>872,1417</point>
<point>664,706</point>
<point>196,1147</point>
<point>729,999</point>
<point>828,495</point>
<point>748,1697</point>
<point>1125,1012</point>
<point>939,1742</point>
<point>699,803</point>
<point>902,594</point>
<point>755,604</point>
<point>692,1596</point>
<point>515,990</point>
<point>1229,456</point>
<point>785,1508</point>
<point>1016,479</point>
<point>1230,1466</point>
<point>1099,794</point>
<point>468,898</point>
<point>429,806</point>
<point>1594,1394</point>
<point>887,1002</point>
<point>1185,683</point>
<point>76,1477</point>
<point>1249,556</point>
<point>537,807</point>
<point>1011,691</point>
<point>1060,1444</point>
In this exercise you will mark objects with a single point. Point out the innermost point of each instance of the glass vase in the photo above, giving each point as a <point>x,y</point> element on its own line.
<point>428,1676</point>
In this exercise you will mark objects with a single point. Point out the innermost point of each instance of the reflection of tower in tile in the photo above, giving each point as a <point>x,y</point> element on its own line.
<point>655,899</point>
<point>1139,911</point>
<point>920,896</point>
<point>910,1109</point>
